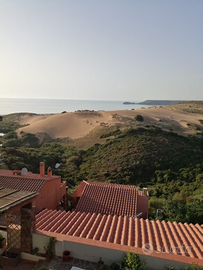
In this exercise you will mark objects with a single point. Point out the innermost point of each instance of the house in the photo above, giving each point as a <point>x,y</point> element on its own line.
<point>113,199</point>
<point>105,227</point>
<point>50,189</point>
<point>91,236</point>
<point>22,194</point>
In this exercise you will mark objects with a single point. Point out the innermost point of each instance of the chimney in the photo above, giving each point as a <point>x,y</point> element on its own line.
<point>145,191</point>
<point>16,172</point>
<point>49,172</point>
<point>42,169</point>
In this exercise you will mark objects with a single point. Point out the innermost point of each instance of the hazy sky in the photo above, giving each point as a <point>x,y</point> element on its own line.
<point>101,49</point>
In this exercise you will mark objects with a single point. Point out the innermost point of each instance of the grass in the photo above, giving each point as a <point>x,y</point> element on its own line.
<point>192,110</point>
<point>192,102</point>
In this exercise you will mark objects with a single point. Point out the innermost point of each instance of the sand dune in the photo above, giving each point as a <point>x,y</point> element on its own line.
<point>78,124</point>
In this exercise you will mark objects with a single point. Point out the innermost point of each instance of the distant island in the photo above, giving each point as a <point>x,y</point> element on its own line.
<point>160,102</point>
<point>128,103</point>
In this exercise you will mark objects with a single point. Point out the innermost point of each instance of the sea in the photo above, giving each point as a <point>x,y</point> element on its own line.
<point>54,106</point>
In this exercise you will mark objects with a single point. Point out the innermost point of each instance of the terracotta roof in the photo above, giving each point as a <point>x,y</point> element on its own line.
<point>107,198</point>
<point>30,182</point>
<point>78,192</point>
<point>21,183</point>
<point>179,242</point>
<point>29,175</point>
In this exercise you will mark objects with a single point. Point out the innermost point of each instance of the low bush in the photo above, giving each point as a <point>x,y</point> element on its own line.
<point>139,117</point>
<point>132,261</point>
<point>11,143</point>
<point>201,121</point>
<point>10,135</point>
<point>112,133</point>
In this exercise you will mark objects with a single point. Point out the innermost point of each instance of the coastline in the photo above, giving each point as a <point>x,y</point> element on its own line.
<point>53,106</point>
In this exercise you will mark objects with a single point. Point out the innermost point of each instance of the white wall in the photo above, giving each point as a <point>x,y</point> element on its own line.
<point>39,241</point>
<point>93,253</point>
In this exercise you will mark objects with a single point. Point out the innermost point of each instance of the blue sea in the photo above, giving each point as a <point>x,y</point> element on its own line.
<point>49,106</point>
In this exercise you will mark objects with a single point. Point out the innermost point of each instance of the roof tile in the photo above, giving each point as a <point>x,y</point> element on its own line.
<point>169,240</point>
<point>106,198</point>
<point>31,182</point>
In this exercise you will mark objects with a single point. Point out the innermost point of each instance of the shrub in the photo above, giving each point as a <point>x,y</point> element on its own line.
<point>112,133</point>
<point>132,261</point>
<point>139,117</point>
<point>30,139</point>
<point>50,246</point>
<point>6,127</point>
<point>11,143</point>
<point>10,135</point>
<point>201,121</point>
<point>35,250</point>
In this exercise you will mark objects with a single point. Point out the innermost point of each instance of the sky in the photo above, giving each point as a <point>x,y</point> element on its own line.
<point>101,49</point>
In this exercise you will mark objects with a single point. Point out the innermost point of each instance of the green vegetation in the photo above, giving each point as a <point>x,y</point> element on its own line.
<point>139,117</point>
<point>190,106</point>
<point>10,122</point>
<point>8,126</point>
<point>194,267</point>
<point>201,121</point>
<point>111,133</point>
<point>198,111</point>
<point>132,261</point>
<point>15,117</point>
<point>193,102</point>
<point>35,251</point>
<point>11,140</point>
<point>43,268</point>
<point>50,246</point>
<point>169,165</point>
<point>179,211</point>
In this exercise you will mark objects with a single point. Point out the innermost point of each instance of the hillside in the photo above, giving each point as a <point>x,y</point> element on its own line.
<point>129,152</point>
<point>135,155</point>
<point>82,129</point>
<point>159,102</point>
<point>142,156</point>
